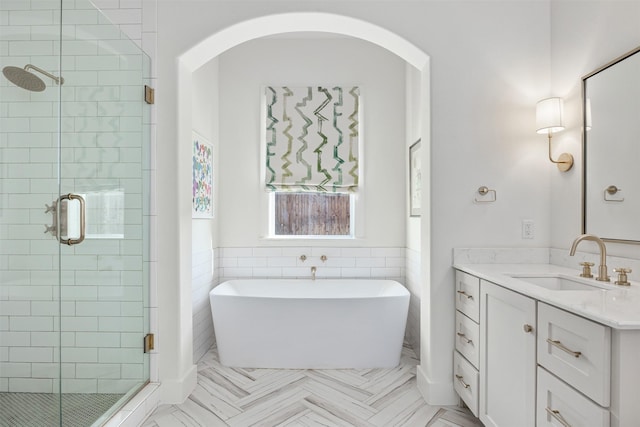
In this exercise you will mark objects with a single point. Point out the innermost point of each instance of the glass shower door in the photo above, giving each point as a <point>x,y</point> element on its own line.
<point>104,173</point>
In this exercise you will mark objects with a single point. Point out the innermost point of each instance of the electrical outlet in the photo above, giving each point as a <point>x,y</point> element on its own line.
<point>527,229</point>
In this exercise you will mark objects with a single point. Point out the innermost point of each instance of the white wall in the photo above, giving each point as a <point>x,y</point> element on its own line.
<point>246,69</point>
<point>585,36</point>
<point>489,63</point>
<point>203,230</point>
<point>413,132</point>
<point>414,224</point>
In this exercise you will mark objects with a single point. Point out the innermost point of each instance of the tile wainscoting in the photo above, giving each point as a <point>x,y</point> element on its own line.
<point>378,263</point>
<point>204,277</point>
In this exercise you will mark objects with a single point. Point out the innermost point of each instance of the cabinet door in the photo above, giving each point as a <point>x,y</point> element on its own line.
<point>507,357</point>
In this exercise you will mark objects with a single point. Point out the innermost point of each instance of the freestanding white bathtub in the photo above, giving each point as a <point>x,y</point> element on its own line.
<point>305,324</point>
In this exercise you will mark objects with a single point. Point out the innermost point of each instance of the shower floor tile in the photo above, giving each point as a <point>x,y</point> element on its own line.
<point>289,397</point>
<point>42,409</point>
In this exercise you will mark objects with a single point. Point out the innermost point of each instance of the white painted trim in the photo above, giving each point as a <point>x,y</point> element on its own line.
<point>176,392</point>
<point>435,394</point>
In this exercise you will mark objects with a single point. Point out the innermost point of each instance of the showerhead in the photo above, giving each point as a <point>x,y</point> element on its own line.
<point>21,77</point>
<point>24,79</point>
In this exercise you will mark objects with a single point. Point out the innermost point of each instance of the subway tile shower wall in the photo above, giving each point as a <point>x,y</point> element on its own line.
<point>102,295</point>
<point>378,263</point>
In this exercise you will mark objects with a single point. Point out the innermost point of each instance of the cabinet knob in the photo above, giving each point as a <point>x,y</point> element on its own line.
<point>527,328</point>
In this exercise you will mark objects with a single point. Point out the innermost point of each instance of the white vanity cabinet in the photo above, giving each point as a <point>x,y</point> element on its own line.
<point>507,357</point>
<point>526,362</point>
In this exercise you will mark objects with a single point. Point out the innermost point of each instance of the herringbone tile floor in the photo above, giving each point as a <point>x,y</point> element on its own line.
<point>281,397</point>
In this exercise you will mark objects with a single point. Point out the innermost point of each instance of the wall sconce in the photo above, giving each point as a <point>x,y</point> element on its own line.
<point>549,114</point>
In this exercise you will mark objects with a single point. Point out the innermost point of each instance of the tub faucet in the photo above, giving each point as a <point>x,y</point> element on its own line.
<point>313,272</point>
<point>602,269</point>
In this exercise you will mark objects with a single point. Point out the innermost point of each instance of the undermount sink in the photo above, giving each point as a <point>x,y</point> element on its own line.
<point>559,282</point>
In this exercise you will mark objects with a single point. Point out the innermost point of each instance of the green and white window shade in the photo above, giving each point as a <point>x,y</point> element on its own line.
<point>312,136</point>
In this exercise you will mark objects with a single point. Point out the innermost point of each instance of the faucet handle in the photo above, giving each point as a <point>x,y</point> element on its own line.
<point>622,276</point>
<point>586,269</point>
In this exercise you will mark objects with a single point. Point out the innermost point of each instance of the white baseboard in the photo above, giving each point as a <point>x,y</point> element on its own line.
<point>176,392</point>
<point>435,394</point>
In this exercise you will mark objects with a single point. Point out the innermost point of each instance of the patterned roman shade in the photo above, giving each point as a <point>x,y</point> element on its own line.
<point>312,136</point>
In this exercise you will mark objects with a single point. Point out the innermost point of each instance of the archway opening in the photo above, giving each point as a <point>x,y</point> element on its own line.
<point>218,43</point>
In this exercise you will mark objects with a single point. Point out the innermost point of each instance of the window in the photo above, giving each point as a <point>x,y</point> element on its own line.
<point>312,214</point>
<point>312,159</point>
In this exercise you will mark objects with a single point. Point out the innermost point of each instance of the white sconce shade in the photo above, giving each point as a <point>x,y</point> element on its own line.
<point>549,115</point>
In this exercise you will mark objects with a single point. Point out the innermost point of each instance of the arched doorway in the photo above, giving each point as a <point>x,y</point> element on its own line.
<point>216,44</point>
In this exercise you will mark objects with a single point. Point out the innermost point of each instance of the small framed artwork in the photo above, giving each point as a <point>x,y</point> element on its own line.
<point>415,179</point>
<point>202,178</point>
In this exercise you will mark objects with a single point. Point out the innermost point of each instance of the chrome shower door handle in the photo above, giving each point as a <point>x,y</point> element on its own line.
<point>80,199</point>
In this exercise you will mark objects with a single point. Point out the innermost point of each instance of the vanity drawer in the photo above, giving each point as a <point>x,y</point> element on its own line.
<point>577,350</point>
<point>465,381</point>
<point>468,338</point>
<point>557,401</point>
<point>468,295</point>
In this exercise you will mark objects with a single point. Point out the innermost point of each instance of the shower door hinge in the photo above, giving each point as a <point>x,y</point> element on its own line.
<point>149,94</point>
<point>148,343</point>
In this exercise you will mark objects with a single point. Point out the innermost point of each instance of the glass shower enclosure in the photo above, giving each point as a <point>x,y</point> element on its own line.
<point>74,214</point>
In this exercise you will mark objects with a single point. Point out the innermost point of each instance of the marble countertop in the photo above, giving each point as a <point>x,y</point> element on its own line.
<point>612,305</point>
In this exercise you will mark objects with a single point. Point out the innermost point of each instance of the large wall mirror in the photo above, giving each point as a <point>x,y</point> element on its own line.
<point>611,148</point>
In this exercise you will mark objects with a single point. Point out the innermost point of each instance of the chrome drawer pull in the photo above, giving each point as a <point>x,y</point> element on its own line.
<point>465,294</point>
<point>464,337</point>
<point>556,414</point>
<point>563,348</point>
<point>460,378</point>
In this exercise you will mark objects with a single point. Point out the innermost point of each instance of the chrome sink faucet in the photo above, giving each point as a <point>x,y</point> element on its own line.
<point>602,269</point>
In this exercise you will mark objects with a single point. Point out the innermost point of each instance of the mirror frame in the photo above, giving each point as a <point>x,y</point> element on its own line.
<point>584,142</point>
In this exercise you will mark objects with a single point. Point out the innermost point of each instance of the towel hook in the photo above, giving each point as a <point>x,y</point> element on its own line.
<point>483,191</point>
